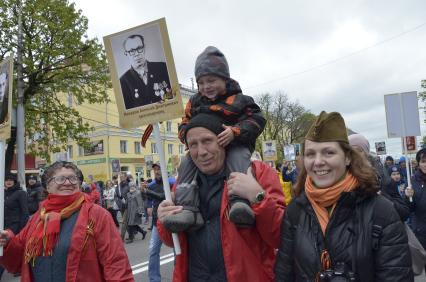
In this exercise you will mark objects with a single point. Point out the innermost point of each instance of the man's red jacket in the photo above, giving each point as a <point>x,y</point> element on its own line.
<point>249,253</point>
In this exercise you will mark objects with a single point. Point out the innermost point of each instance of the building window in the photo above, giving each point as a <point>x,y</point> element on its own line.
<point>137,147</point>
<point>80,151</point>
<point>181,149</point>
<point>154,148</point>
<point>170,149</point>
<point>169,126</point>
<point>123,146</point>
<point>69,152</point>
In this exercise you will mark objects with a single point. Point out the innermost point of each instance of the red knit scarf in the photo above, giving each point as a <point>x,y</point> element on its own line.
<point>46,233</point>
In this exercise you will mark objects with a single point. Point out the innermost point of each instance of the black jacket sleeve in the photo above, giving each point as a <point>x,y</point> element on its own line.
<point>392,259</point>
<point>401,204</point>
<point>285,258</point>
<point>251,123</point>
<point>154,195</point>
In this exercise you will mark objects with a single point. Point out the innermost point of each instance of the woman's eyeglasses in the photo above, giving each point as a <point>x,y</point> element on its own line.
<point>59,180</point>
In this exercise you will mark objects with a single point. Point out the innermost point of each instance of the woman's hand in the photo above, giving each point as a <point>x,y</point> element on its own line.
<point>244,185</point>
<point>409,192</point>
<point>167,208</point>
<point>226,136</point>
<point>4,238</point>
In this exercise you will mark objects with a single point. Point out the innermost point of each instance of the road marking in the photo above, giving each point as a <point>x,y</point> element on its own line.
<point>142,267</point>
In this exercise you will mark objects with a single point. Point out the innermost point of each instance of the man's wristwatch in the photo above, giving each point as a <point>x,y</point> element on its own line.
<point>259,197</point>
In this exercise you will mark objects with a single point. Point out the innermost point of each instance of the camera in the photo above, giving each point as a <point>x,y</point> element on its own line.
<point>339,274</point>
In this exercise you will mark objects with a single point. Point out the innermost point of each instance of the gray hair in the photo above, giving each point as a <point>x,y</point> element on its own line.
<point>53,168</point>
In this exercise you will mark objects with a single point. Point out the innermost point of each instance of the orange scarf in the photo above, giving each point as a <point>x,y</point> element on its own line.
<point>322,198</point>
<point>46,233</point>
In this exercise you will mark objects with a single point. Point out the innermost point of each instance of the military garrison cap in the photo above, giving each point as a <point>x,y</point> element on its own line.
<point>328,127</point>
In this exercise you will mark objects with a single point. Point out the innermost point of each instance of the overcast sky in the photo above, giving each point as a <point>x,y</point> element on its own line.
<point>329,55</point>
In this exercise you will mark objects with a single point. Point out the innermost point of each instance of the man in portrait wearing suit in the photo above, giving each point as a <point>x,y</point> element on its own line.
<point>3,96</point>
<point>145,82</point>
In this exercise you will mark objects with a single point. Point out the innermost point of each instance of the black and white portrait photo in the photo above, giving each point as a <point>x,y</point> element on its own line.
<point>4,90</point>
<point>143,74</point>
<point>141,67</point>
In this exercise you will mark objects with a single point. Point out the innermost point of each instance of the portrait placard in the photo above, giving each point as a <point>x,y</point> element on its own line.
<point>269,150</point>
<point>297,149</point>
<point>380,148</point>
<point>143,75</point>
<point>6,84</point>
<point>410,145</point>
<point>290,152</point>
<point>115,165</point>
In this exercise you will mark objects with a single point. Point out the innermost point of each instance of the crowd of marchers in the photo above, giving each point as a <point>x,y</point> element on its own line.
<point>337,214</point>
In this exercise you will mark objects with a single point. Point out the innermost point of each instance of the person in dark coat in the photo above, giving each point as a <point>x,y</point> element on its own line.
<point>15,206</point>
<point>338,225</point>
<point>155,192</point>
<point>145,82</point>
<point>389,162</point>
<point>121,193</point>
<point>134,213</point>
<point>388,188</point>
<point>35,194</point>
<point>121,200</point>
<point>418,195</point>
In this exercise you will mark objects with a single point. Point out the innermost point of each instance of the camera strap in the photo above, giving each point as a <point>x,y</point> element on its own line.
<point>325,263</point>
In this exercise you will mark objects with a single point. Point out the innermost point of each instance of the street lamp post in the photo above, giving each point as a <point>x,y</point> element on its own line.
<point>20,124</point>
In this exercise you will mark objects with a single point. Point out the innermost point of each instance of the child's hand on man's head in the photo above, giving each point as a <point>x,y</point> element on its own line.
<point>226,136</point>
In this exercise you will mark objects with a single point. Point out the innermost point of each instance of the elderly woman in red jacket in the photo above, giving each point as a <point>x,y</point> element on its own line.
<point>69,238</point>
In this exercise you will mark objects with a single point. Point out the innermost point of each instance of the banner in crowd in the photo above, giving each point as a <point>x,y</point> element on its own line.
<point>143,75</point>
<point>381,148</point>
<point>95,148</point>
<point>402,114</point>
<point>6,85</point>
<point>269,150</point>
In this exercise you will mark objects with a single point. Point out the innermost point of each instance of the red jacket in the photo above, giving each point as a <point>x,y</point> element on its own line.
<point>249,253</point>
<point>103,258</point>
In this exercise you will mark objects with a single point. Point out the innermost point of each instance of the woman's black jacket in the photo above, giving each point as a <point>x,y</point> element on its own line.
<point>35,196</point>
<point>348,239</point>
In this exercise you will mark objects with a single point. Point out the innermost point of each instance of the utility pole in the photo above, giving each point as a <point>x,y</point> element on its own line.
<point>107,142</point>
<point>20,117</point>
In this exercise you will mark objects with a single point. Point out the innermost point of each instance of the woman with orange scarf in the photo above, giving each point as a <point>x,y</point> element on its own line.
<point>69,238</point>
<point>338,228</point>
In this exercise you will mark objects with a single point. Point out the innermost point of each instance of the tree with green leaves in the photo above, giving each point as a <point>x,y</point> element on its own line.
<point>287,122</point>
<point>58,60</point>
